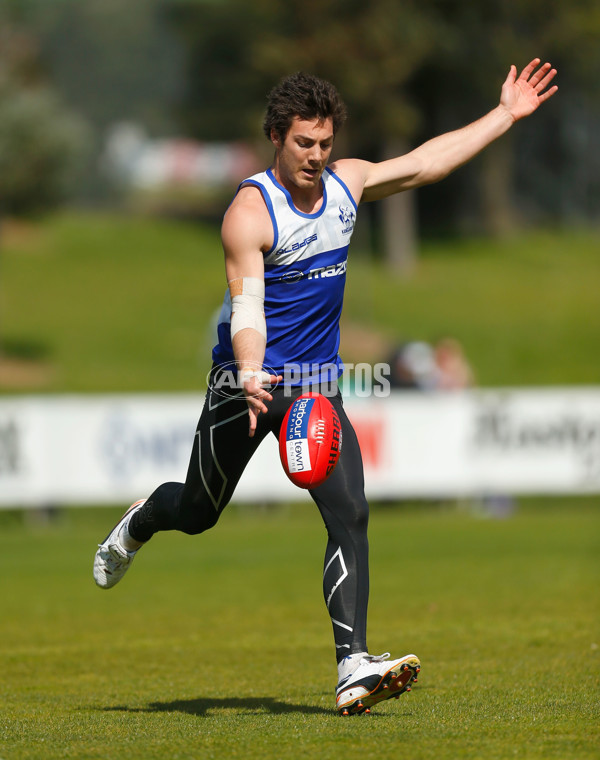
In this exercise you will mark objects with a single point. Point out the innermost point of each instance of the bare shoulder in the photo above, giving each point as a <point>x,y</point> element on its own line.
<point>372,181</point>
<point>247,219</point>
<point>248,202</point>
<point>353,172</point>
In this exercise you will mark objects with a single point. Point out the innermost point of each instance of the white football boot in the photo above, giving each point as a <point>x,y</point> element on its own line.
<point>112,560</point>
<point>376,678</point>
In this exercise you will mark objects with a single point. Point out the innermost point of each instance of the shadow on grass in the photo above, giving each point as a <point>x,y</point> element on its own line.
<point>27,349</point>
<point>200,707</point>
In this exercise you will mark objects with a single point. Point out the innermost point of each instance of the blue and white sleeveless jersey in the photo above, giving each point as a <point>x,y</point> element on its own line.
<point>305,276</point>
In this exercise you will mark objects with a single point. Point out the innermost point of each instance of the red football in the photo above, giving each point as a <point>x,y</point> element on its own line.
<point>310,440</point>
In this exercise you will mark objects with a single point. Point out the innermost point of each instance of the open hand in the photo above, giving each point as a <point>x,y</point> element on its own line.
<point>256,394</point>
<point>522,96</point>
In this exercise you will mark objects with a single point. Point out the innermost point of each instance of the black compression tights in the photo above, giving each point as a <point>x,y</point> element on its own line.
<point>221,451</point>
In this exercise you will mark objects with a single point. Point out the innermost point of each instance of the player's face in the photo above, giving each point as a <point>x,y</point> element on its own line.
<point>304,154</point>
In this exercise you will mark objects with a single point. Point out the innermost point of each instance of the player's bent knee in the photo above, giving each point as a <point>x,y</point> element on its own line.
<point>197,516</point>
<point>356,516</point>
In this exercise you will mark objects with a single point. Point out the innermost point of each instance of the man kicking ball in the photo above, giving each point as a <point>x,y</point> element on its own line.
<point>285,238</point>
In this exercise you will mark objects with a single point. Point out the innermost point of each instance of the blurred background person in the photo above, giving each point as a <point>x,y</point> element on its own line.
<point>453,371</point>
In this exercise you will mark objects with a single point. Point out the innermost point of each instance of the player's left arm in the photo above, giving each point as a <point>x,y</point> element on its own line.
<point>436,158</point>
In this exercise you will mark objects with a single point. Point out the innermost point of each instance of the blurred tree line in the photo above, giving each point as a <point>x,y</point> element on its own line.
<point>407,70</point>
<point>39,137</point>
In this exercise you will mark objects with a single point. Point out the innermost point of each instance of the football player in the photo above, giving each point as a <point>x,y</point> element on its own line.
<point>285,239</point>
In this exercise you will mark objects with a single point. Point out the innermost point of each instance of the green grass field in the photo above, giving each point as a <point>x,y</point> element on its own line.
<point>219,646</point>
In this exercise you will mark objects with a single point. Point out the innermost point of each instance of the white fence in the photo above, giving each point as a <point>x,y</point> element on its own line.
<point>114,449</point>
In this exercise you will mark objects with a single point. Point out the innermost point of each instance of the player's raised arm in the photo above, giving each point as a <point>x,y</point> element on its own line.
<point>245,232</point>
<point>436,158</point>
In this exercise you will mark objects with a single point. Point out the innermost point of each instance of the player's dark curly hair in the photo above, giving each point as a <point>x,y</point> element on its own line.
<point>305,96</point>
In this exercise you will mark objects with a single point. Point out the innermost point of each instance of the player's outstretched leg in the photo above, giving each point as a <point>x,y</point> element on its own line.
<point>371,679</point>
<point>112,559</point>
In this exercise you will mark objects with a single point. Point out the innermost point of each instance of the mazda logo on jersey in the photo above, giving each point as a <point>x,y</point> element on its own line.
<point>294,276</point>
<point>333,270</point>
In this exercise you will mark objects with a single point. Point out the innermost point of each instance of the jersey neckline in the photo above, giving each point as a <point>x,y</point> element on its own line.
<point>290,202</point>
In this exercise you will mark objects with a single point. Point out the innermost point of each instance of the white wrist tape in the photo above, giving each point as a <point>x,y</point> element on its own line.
<point>248,308</point>
<point>264,378</point>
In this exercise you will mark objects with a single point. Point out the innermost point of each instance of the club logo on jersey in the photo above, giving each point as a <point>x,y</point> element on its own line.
<point>347,218</point>
<point>297,246</point>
